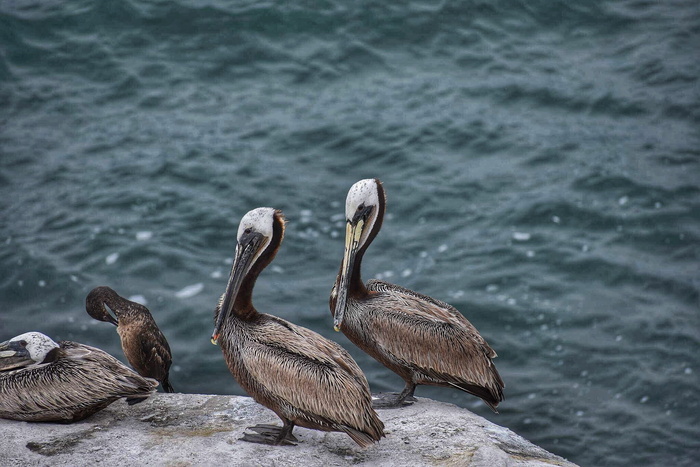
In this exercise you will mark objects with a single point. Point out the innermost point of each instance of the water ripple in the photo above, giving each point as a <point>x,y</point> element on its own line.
<point>540,160</point>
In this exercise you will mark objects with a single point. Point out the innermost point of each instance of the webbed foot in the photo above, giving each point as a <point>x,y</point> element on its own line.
<point>271,434</point>
<point>391,400</point>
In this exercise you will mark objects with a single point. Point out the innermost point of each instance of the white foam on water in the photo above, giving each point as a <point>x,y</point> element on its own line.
<point>190,290</point>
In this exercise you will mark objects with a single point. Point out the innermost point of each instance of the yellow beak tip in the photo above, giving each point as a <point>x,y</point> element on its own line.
<point>336,328</point>
<point>214,341</point>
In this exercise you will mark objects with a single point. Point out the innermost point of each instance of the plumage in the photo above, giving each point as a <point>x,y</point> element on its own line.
<point>44,381</point>
<point>306,379</point>
<point>423,340</point>
<point>143,343</point>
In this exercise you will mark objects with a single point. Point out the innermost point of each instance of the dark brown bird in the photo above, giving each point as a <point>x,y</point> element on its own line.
<point>306,379</point>
<point>423,340</point>
<point>42,381</point>
<point>143,343</point>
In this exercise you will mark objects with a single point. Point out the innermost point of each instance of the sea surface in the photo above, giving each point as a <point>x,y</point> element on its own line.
<point>541,161</point>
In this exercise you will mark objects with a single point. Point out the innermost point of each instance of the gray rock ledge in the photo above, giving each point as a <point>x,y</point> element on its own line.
<point>192,430</point>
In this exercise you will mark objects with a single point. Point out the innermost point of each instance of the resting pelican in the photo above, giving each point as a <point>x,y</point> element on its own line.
<point>423,340</point>
<point>306,379</point>
<point>42,381</point>
<point>142,342</point>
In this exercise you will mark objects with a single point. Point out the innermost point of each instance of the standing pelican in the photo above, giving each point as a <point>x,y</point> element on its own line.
<point>42,381</point>
<point>142,342</point>
<point>423,340</point>
<point>303,377</point>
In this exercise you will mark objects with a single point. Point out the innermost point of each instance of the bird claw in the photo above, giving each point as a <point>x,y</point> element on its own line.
<point>271,430</point>
<point>266,439</point>
<point>391,400</point>
<point>269,434</point>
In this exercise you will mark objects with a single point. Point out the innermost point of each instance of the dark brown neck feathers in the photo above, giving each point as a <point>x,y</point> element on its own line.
<point>53,355</point>
<point>243,305</point>
<point>356,286</point>
<point>122,307</point>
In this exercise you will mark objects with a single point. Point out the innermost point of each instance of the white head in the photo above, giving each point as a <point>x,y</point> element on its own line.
<point>255,234</point>
<point>363,192</point>
<point>364,211</point>
<point>36,344</point>
<point>258,220</point>
<point>361,196</point>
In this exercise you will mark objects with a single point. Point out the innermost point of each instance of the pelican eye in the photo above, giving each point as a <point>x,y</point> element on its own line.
<point>247,231</point>
<point>360,207</point>
<point>23,343</point>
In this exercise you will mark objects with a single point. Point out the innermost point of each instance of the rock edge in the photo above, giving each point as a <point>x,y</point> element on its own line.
<point>193,429</point>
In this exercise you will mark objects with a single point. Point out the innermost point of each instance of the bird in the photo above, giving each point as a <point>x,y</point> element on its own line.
<point>45,381</point>
<point>306,379</point>
<point>144,345</point>
<point>421,339</point>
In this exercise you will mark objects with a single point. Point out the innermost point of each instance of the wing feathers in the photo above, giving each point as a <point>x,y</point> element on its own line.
<point>432,338</point>
<point>80,382</point>
<point>314,377</point>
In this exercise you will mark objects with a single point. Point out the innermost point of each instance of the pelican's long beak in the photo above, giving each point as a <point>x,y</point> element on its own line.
<point>13,355</point>
<point>246,253</point>
<point>109,318</point>
<point>97,309</point>
<point>353,233</point>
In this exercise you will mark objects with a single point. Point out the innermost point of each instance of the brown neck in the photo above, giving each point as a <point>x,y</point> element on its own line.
<point>53,355</point>
<point>356,287</point>
<point>243,305</point>
<point>125,309</point>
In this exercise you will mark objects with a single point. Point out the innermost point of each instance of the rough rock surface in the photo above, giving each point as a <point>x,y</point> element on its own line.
<point>192,430</point>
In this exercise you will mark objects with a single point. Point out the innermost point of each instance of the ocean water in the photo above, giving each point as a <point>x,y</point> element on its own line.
<point>541,161</point>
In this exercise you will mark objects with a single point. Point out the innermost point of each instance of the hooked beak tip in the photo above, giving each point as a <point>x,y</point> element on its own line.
<point>336,328</point>
<point>215,339</point>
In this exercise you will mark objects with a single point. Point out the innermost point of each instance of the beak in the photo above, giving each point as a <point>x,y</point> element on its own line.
<point>353,233</point>
<point>111,319</point>
<point>13,355</point>
<point>246,254</point>
<point>98,310</point>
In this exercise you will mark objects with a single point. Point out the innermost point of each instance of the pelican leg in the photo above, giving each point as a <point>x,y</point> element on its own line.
<point>392,400</point>
<point>272,434</point>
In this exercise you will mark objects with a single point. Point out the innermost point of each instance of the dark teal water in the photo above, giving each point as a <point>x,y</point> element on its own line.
<point>541,161</point>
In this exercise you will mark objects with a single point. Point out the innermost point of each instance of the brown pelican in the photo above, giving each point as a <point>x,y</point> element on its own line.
<point>142,342</point>
<point>42,381</point>
<point>423,340</point>
<point>303,377</point>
